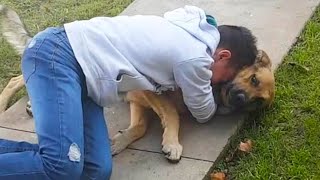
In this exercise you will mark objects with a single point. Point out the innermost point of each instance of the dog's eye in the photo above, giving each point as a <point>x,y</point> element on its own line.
<point>254,80</point>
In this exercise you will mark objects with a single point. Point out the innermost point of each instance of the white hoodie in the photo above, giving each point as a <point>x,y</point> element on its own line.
<point>123,53</point>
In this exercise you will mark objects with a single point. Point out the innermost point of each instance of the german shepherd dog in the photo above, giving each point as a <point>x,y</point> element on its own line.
<point>252,88</point>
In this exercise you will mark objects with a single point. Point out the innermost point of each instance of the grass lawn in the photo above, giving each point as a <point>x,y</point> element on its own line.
<point>287,136</point>
<point>39,14</point>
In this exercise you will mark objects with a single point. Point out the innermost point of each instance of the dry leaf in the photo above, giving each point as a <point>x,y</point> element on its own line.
<point>245,146</point>
<point>299,65</point>
<point>218,176</point>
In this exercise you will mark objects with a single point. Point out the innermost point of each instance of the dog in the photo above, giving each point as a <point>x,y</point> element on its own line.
<point>252,88</point>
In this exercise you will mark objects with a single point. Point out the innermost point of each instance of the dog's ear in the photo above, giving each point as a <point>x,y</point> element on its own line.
<point>263,59</point>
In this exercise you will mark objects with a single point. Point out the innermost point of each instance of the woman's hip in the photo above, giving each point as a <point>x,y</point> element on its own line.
<point>49,51</point>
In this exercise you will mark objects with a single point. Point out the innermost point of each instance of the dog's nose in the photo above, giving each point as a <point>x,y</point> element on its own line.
<point>240,98</point>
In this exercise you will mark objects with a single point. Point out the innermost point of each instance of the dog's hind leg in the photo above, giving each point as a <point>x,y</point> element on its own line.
<point>136,130</point>
<point>14,85</point>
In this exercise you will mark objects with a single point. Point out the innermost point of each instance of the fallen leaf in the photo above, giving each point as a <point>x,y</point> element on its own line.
<point>298,65</point>
<point>245,146</point>
<point>218,176</point>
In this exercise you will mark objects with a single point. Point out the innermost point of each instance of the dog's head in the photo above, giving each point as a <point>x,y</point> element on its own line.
<point>252,88</point>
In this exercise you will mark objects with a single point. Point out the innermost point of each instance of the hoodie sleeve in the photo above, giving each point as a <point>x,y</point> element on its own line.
<point>194,79</point>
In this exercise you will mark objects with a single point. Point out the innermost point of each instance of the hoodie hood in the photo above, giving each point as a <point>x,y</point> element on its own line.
<point>195,21</point>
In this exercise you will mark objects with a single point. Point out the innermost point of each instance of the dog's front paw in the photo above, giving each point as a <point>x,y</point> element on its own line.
<point>119,142</point>
<point>172,152</point>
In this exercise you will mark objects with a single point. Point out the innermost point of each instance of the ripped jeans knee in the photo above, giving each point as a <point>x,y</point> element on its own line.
<point>68,165</point>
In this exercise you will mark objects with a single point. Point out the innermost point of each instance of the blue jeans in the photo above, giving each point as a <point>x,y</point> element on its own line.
<point>72,134</point>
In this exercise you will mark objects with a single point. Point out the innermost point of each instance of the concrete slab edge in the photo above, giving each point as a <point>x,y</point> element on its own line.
<point>296,39</point>
<point>226,148</point>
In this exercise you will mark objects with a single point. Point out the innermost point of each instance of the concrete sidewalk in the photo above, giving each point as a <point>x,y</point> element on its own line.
<point>276,23</point>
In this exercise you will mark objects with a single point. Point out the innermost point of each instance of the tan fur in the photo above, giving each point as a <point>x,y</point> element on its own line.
<point>13,30</point>
<point>263,73</point>
<point>263,90</point>
<point>14,85</point>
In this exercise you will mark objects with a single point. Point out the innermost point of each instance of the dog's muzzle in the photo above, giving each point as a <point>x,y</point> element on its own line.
<point>237,97</point>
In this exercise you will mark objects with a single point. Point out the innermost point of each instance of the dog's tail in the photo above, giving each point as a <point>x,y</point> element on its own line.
<point>13,29</point>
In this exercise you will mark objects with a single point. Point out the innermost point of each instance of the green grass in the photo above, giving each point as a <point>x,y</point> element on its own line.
<point>39,14</point>
<point>287,136</point>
